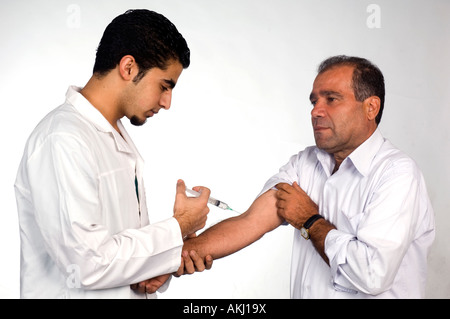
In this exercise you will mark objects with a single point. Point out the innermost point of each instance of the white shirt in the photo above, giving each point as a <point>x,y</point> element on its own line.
<point>385,223</point>
<point>84,233</point>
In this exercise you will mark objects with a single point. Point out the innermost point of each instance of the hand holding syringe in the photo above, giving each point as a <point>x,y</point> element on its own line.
<point>211,200</point>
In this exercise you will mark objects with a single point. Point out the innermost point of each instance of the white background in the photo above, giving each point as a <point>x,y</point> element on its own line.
<point>239,111</point>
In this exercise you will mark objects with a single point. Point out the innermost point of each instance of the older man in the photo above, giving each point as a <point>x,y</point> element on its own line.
<point>364,222</point>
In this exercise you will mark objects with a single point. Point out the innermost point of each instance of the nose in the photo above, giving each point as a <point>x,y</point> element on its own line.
<point>166,100</point>
<point>318,109</point>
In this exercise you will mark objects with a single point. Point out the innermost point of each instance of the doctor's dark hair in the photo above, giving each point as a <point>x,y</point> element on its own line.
<point>367,78</point>
<point>147,36</point>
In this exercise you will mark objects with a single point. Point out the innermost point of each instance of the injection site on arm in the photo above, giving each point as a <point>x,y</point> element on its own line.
<point>235,233</point>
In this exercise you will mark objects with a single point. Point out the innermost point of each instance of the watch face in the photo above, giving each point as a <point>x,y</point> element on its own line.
<point>304,232</point>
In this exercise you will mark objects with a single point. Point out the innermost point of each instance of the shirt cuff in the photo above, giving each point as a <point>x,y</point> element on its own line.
<point>336,244</point>
<point>168,233</point>
<point>176,237</point>
<point>173,223</point>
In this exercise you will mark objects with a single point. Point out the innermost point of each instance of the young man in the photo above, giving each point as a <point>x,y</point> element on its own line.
<point>364,222</point>
<point>84,226</point>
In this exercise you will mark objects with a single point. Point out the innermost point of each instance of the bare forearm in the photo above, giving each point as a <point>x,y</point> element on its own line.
<point>221,239</point>
<point>318,233</point>
<point>238,232</point>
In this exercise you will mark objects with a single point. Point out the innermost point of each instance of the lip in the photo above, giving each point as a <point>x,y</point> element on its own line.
<point>152,113</point>
<point>320,128</point>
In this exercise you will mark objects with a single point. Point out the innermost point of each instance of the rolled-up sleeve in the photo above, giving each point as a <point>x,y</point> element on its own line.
<point>287,174</point>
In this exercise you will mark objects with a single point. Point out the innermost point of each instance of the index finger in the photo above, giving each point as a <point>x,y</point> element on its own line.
<point>204,192</point>
<point>284,187</point>
<point>180,270</point>
<point>198,261</point>
<point>189,267</point>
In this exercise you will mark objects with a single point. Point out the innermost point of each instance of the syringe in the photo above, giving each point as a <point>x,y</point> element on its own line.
<point>211,200</point>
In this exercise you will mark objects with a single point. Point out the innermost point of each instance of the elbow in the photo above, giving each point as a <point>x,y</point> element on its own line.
<point>79,278</point>
<point>369,283</point>
<point>374,285</point>
<point>87,278</point>
<point>374,290</point>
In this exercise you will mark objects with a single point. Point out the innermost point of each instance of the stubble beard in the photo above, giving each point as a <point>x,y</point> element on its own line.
<point>136,121</point>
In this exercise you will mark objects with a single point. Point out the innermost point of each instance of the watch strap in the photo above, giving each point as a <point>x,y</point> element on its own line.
<point>312,220</point>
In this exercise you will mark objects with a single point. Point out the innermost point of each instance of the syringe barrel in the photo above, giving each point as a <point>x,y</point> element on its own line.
<point>218,203</point>
<point>223,206</point>
<point>214,201</point>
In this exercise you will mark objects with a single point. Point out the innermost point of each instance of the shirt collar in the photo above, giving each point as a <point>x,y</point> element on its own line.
<point>87,110</point>
<point>93,115</point>
<point>361,157</point>
<point>326,160</point>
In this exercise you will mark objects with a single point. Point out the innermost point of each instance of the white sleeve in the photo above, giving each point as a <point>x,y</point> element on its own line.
<point>288,173</point>
<point>64,187</point>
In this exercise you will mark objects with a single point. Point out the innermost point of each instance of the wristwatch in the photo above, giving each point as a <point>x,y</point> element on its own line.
<point>304,231</point>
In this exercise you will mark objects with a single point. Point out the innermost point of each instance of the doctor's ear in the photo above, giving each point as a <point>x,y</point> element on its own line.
<point>372,107</point>
<point>128,67</point>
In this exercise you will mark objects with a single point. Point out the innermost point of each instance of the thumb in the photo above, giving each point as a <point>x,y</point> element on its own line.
<point>181,187</point>
<point>193,235</point>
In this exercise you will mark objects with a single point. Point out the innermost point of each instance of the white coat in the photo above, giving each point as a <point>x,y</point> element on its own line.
<point>84,232</point>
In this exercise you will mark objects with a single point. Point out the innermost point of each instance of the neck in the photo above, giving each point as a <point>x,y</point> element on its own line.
<point>102,94</point>
<point>340,156</point>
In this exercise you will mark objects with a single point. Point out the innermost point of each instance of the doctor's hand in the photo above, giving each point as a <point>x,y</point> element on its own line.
<point>294,205</point>
<point>150,286</point>
<point>191,261</point>
<point>191,212</point>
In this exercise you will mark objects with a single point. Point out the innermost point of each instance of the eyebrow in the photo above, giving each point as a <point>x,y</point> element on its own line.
<point>171,83</point>
<point>313,96</point>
